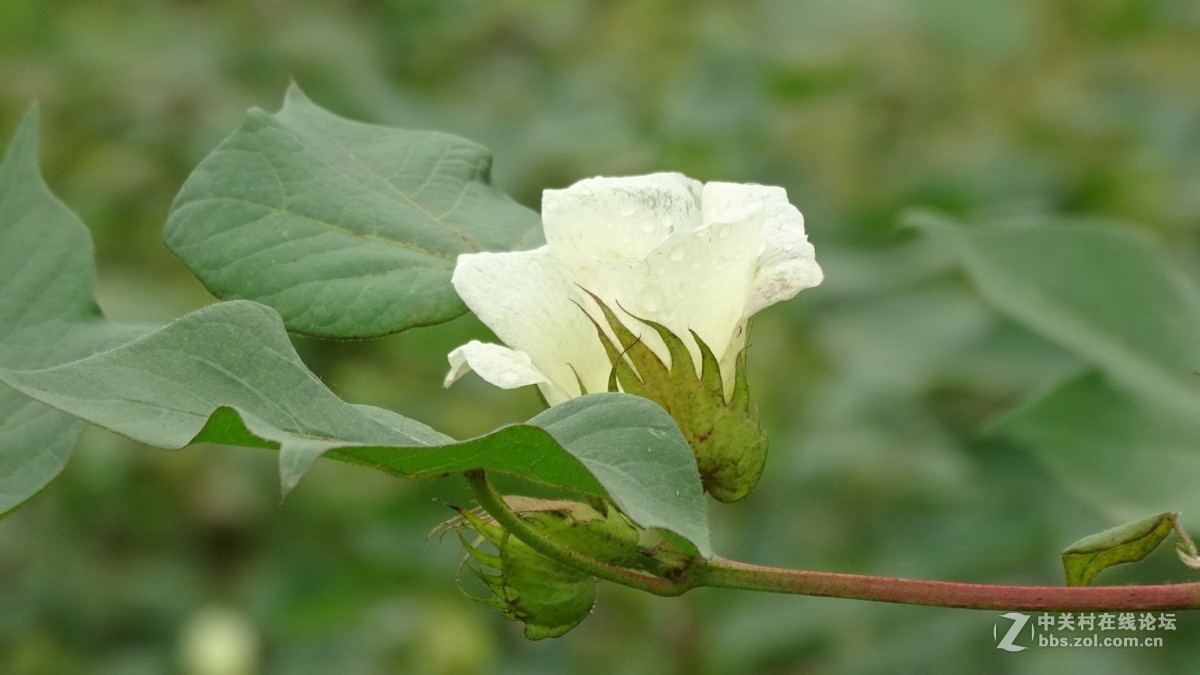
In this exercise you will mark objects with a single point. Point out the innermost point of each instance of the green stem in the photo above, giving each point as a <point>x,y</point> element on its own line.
<point>723,573</point>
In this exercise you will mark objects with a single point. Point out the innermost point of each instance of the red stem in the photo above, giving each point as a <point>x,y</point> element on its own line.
<point>723,573</point>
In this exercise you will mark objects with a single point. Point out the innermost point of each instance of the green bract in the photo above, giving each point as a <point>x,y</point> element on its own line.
<point>730,448</point>
<point>549,598</point>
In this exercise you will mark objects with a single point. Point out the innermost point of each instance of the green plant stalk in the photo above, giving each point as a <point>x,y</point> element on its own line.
<point>723,573</point>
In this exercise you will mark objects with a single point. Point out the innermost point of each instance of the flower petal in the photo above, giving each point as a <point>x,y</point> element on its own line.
<point>525,299</point>
<point>693,281</point>
<point>619,218</point>
<point>506,368</point>
<point>787,263</point>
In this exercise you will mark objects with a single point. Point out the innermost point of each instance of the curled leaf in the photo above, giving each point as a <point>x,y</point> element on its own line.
<point>1131,542</point>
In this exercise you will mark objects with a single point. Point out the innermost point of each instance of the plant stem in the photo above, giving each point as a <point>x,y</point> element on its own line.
<point>723,573</point>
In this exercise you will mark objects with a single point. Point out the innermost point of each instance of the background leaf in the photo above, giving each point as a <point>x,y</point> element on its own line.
<point>1130,542</point>
<point>1108,294</point>
<point>1123,437</point>
<point>349,230</point>
<point>45,255</point>
<point>1114,450</point>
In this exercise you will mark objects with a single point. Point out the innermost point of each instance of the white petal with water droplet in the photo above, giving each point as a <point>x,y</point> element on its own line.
<point>787,262</point>
<point>618,218</point>
<point>662,247</point>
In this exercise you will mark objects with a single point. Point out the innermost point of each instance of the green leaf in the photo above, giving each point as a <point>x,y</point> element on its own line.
<point>1118,451</point>
<point>349,230</point>
<point>1108,294</point>
<point>1131,542</point>
<point>45,254</point>
<point>227,373</point>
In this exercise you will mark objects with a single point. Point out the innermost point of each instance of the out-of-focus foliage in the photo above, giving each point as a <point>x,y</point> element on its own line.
<point>875,388</point>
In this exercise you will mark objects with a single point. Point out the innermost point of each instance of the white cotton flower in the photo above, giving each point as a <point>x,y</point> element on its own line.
<point>663,247</point>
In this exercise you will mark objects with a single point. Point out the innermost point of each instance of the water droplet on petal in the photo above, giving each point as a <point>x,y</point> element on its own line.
<point>788,247</point>
<point>652,299</point>
<point>648,227</point>
<point>678,254</point>
<point>722,261</point>
<point>551,205</point>
<point>626,211</point>
<point>723,232</point>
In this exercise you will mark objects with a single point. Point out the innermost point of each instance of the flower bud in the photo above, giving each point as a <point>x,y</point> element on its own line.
<point>548,597</point>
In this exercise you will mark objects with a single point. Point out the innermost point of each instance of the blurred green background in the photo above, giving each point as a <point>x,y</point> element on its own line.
<point>876,388</point>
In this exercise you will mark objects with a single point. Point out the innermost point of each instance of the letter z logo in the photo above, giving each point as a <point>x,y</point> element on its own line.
<point>1018,624</point>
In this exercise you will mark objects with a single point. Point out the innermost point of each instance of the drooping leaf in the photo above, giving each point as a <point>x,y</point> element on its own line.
<point>1106,293</point>
<point>228,374</point>
<point>45,255</point>
<point>1130,542</point>
<point>347,229</point>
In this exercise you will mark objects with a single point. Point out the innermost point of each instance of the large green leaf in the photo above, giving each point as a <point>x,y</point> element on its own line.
<point>45,254</point>
<point>228,374</point>
<point>347,229</point>
<point>1108,294</point>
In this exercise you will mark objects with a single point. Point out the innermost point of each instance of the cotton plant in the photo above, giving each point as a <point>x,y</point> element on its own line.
<point>626,301</point>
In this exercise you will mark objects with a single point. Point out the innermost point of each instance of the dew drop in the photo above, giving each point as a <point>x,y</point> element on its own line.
<point>722,261</point>
<point>626,211</point>
<point>678,254</point>
<point>788,247</point>
<point>723,232</point>
<point>652,299</point>
<point>551,205</point>
<point>648,227</point>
